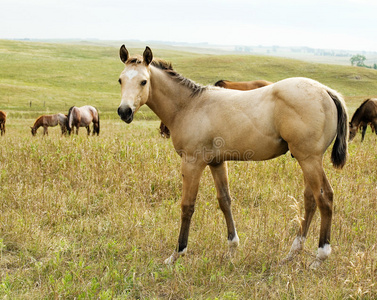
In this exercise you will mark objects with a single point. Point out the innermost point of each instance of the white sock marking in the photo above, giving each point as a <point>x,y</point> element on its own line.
<point>298,244</point>
<point>183,252</point>
<point>324,252</point>
<point>172,258</point>
<point>234,242</point>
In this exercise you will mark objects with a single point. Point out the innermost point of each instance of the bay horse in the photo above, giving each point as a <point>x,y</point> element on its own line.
<point>210,126</point>
<point>3,119</point>
<point>46,121</point>
<point>82,117</point>
<point>364,115</point>
<point>241,85</point>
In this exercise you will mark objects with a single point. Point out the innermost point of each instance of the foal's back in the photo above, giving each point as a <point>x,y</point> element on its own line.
<point>242,85</point>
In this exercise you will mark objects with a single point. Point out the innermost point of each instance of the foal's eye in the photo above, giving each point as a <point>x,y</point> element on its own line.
<point>120,81</point>
<point>144,82</point>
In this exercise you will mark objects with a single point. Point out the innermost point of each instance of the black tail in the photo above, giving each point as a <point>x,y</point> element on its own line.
<point>97,129</point>
<point>340,148</point>
<point>69,128</point>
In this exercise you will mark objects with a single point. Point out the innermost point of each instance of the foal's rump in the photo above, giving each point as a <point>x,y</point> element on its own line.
<point>310,115</point>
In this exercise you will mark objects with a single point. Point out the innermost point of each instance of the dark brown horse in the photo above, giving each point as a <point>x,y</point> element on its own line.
<point>233,85</point>
<point>207,129</point>
<point>242,85</point>
<point>3,119</point>
<point>46,121</point>
<point>364,115</point>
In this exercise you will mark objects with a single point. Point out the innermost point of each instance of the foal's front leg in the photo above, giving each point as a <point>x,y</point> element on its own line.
<point>191,173</point>
<point>310,208</point>
<point>220,176</point>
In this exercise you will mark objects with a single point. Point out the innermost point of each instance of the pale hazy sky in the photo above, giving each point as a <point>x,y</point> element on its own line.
<point>336,24</point>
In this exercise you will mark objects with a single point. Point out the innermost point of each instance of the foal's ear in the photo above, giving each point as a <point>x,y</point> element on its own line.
<point>147,56</point>
<point>123,53</point>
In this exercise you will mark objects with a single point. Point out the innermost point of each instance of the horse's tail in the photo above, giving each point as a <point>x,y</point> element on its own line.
<point>340,148</point>
<point>69,120</point>
<point>98,121</point>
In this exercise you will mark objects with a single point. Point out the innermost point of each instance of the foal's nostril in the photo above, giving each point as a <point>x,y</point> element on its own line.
<point>126,114</point>
<point>128,111</point>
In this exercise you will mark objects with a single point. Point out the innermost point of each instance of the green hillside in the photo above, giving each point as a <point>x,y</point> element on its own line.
<point>40,78</point>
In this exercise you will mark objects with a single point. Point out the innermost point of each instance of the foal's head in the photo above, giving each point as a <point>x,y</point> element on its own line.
<point>135,82</point>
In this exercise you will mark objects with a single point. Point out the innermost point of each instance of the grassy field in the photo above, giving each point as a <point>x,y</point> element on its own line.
<point>94,218</point>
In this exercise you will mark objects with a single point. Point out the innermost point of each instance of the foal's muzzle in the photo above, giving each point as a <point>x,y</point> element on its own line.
<point>126,114</point>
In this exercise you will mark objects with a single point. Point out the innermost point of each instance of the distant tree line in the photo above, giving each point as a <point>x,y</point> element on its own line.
<point>358,60</point>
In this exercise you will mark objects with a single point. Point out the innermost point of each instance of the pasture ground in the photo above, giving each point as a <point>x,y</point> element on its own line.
<point>95,218</point>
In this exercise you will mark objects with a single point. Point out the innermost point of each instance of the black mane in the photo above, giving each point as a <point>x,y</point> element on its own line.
<point>195,88</point>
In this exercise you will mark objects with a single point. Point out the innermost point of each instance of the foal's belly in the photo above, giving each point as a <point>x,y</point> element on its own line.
<point>262,150</point>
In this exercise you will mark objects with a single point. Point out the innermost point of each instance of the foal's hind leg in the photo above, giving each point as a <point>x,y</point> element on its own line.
<point>323,195</point>
<point>220,176</point>
<point>88,129</point>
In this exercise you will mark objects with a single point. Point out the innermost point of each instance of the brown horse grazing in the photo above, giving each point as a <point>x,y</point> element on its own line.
<point>50,121</point>
<point>364,115</point>
<point>3,119</point>
<point>242,85</point>
<point>82,117</point>
<point>207,129</point>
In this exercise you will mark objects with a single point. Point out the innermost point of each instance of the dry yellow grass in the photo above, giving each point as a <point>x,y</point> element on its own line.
<point>94,218</point>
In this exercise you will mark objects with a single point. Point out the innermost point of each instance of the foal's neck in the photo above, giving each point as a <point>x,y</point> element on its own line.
<point>168,96</point>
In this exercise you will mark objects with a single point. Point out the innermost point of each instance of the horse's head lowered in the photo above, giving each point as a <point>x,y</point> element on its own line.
<point>352,131</point>
<point>135,83</point>
<point>33,131</point>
